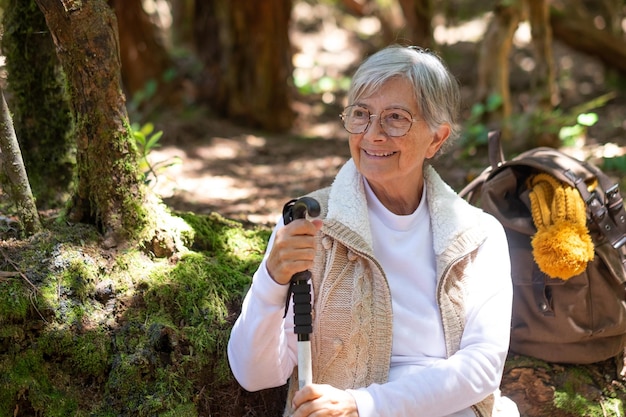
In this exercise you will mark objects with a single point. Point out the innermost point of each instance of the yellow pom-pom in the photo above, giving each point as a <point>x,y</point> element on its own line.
<point>562,250</point>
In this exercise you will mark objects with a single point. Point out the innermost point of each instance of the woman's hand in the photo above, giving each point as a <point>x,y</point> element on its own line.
<point>324,401</point>
<point>293,250</point>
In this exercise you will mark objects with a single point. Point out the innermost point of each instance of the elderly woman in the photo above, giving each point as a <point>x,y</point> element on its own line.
<point>411,285</point>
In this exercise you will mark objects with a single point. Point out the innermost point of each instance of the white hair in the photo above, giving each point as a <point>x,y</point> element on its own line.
<point>436,90</point>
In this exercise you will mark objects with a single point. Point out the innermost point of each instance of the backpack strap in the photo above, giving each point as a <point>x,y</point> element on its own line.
<point>610,217</point>
<point>496,156</point>
<point>471,192</point>
<point>613,199</point>
<point>606,211</point>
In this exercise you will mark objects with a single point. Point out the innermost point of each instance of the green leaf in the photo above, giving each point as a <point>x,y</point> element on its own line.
<point>147,128</point>
<point>140,139</point>
<point>570,132</point>
<point>154,139</point>
<point>478,109</point>
<point>587,119</point>
<point>494,101</point>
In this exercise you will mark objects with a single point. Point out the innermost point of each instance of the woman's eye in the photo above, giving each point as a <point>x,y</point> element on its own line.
<point>395,116</point>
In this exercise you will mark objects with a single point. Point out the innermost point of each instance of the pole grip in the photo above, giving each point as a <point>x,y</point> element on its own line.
<point>301,290</point>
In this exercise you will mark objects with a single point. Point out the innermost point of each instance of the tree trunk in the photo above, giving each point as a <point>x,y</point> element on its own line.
<point>182,22</point>
<point>493,61</point>
<point>580,33</point>
<point>545,73</point>
<point>13,166</point>
<point>38,99</point>
<point>247,55</point>
<point>545,90</point>
<point>144,56</point>
<point>108,192</point>
<point>419,15</point>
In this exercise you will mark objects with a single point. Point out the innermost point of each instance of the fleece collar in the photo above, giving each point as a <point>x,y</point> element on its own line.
<point>451,216</point>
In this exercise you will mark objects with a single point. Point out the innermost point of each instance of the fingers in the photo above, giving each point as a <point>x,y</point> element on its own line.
<point>293,250</point>
<point>323,400</point>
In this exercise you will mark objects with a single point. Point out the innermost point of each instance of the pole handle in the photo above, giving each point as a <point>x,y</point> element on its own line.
<point>301,290</point>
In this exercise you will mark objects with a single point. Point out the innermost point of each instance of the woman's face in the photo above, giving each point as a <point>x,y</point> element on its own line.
<point>393,165</point>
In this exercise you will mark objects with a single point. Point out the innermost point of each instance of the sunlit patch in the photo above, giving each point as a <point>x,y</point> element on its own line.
<point>471,31</point>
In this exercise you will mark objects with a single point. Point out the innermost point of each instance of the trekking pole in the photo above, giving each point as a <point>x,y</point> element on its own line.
<point>301,290</point>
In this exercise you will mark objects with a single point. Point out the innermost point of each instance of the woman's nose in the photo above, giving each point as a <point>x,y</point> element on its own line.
<point>375,130</point>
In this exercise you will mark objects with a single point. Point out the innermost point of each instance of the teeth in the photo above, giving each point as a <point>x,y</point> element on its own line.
<point>379,153</point>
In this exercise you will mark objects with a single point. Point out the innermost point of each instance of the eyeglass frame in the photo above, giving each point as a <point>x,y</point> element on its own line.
<point>342,115</point>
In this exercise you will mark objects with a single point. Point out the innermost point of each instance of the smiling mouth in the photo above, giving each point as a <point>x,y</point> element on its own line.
<point>379,154</point>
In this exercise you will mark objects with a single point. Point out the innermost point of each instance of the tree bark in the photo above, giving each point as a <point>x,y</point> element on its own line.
<point>545,73</point>
<point>247,55</point>
<point>493,60</point>
<point>545,91</point>
<point>108,192</point>
<point>182,22</point>
<point>144,56</point>
<point>419,15</point>
<point>13,166</point>
<point>581,34</point>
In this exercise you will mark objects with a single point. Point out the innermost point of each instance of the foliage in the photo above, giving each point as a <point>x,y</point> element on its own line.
<point>617,163</point>
<point>149,91</point>
<point>308,84</point>
<point>569,135</point>
<point>475,131</point>
<point>146,140</point>
<point>569,125</point>
<point>126,335</point>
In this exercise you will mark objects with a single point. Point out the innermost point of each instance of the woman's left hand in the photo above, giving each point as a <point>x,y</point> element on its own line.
<point>324,400</point>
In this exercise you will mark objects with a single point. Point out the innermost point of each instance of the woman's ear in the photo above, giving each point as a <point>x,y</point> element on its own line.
<point>438,139</point>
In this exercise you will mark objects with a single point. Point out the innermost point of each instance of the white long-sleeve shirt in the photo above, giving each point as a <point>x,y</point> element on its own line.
<point>422,382</point>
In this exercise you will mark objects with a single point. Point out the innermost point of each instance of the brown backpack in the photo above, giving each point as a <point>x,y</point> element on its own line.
<point>578,320</point>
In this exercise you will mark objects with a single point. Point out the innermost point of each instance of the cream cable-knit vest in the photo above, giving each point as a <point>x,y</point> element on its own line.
<point>352,315</point>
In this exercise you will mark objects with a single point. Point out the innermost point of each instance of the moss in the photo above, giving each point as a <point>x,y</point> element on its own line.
<point>44,130</point>
<point>86,354</point>
<point>142,375</point>
<point>521,361</point>
<point>23,377</point>
<point>154,344</point>
<point>216,234</point>
<point>577,393</point>
<point>182,410</point>
<point>577,404</point>
<point>14,300</point>
<point>11,335</point>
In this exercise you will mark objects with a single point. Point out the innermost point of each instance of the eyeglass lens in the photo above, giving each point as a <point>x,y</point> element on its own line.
<point>394,122</point>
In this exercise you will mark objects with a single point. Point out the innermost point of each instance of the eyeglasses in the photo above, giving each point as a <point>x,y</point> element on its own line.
<point>394,122</point>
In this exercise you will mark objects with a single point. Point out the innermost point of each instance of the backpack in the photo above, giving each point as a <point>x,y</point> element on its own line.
<point>580,319</point>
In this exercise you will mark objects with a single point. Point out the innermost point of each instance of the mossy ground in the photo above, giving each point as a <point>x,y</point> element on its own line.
<point>86,331</point>
<point>565,390</point>
<point>91,332</point>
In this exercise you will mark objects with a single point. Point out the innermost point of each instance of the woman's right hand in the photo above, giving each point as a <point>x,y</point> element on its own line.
<point>293,249</point>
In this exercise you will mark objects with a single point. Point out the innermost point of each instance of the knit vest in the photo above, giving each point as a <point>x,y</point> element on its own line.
<point>352,313</point>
